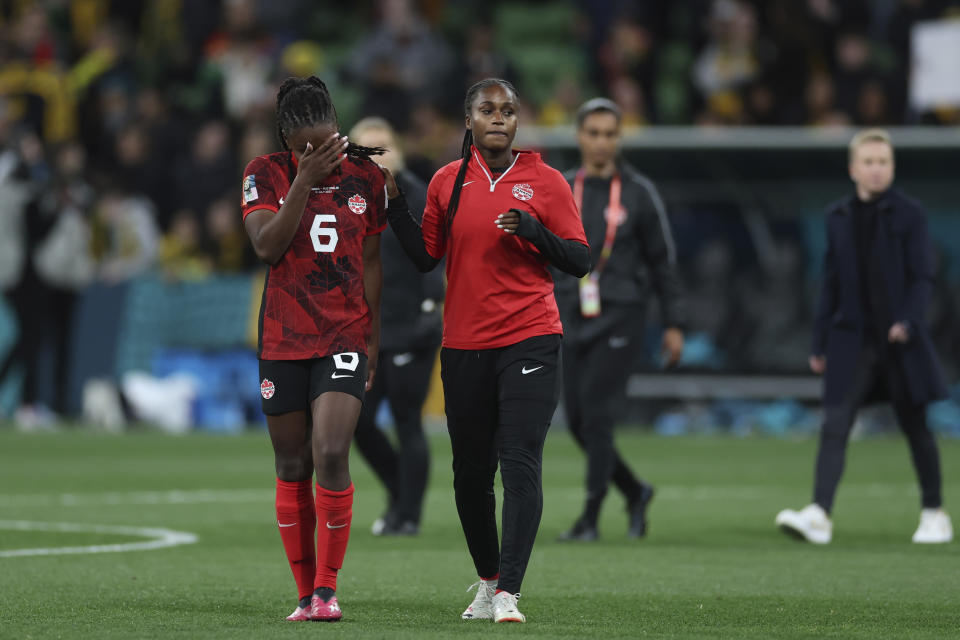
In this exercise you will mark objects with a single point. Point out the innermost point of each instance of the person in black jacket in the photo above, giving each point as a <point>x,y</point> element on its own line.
<point>410,332</point>
<point>603,313</point>
<point>870,337</point>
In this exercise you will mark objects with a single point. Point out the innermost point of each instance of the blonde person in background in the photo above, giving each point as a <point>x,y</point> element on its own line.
<point>870,339</point>
<point>410,331</point>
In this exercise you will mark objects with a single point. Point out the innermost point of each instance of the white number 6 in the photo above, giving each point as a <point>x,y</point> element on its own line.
<point>324,238</point>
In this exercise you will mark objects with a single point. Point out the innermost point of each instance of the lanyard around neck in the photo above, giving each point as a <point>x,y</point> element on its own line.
<point>613,215</point>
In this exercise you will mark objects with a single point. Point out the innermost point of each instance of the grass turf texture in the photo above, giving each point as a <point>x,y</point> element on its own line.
<point>713,564</point>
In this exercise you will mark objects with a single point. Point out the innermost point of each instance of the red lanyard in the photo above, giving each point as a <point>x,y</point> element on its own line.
<point>614,213</point>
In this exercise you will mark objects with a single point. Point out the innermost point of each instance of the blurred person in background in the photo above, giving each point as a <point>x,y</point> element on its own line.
<point>181,256</point>
<point>140,168</point>
<point>775,318</point>
<point>729,59</point>
<point>209,170</point>
<point>500,217</point>
<point>56,264</point>
<point>314,213</point>
<point>411,326</point>
<point>244,55</point>
<point>126,239</point>
<point>603,312</point>
<point>33,77</point>
<point>402,59</point>
<point>870,339</point>
<point>224,241</point>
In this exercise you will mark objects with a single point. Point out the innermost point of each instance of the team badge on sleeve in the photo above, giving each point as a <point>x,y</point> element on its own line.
<point>522,192</point>
<point>250,189</point>
<point>357,204</point>
<point>267,389</point>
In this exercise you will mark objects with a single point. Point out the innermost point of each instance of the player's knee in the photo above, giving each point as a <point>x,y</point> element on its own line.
<point>331,455</point>
<point>472,476</point>
<point>293,469</point>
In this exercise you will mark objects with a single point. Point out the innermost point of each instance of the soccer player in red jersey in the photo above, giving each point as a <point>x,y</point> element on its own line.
<point>314,212</point>
<point>500,216</point>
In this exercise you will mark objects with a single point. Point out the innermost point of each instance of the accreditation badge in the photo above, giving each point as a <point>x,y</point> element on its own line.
<point>590,296</point>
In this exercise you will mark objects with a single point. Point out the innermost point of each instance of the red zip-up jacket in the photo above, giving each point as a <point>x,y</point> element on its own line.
<point>499,290</point>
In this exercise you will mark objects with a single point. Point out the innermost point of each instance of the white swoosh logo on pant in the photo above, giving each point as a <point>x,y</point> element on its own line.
<point>525,371</point>
<point>402,359</point>
<point>280,524</point>
<point>336,526</point>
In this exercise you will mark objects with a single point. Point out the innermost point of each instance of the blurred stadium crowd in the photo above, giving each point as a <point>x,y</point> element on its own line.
<point>125,124</point>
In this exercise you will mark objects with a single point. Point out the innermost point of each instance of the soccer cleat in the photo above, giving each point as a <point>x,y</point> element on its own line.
<point>505,608</point>
<point>299,614</point>
<point>581,531</point>
<point>810,523</point>
<point>935,527</point>
<point>481,607</point>
<point>328,611</point>
<point>637,510</point>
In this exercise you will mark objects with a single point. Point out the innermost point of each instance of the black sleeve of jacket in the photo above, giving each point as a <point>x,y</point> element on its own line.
<point>659,252</point>
<point>408,231</point>
<point>569,256</point>
<point>415,194</point>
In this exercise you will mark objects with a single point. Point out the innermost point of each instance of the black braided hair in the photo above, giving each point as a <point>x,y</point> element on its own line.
<point>305,102</point>
<point>468,141</point>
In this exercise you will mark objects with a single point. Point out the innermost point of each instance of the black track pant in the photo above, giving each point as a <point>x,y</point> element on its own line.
<point>499,405</point>
<point>403,378</point>
<point>598,354</point>
<point>44,315</point>
<point>838,421</point>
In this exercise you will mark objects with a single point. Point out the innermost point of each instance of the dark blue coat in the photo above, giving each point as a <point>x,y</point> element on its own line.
<point>901,248</point>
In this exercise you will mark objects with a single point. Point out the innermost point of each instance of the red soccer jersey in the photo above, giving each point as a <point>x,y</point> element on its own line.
<point>313,300</point>
<point>499,290</point>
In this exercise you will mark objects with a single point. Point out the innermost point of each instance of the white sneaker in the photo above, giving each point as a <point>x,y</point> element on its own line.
<point>810,523</point>
<point>935,527</point>
<point>482,606</point>
<point>505,608</point>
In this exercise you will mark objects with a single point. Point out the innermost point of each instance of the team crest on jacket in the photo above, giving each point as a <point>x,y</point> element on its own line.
<point>357,204</point>
<point>522,192</point>
<point>617,215</point>
<point>267,389</point>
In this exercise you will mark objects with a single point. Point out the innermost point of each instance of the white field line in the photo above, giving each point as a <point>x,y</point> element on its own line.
<point>220,496</point>
<point>122,498</point>
<point>160,538</point>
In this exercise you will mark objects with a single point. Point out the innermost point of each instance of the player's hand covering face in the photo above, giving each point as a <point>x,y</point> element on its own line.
<point>319,150</point>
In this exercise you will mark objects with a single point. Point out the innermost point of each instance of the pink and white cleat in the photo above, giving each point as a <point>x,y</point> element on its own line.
<point>328,611</point>
<point>300,614</point>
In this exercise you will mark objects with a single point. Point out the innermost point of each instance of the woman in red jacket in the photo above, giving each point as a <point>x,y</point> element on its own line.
<point>500,216</point>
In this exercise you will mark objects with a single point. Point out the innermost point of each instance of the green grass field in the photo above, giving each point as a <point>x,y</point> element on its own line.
<point>713,565</point>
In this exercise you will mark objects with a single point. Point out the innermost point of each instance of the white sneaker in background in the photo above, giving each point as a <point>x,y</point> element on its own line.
<point>935,527</point>
<point>810,523</point>
<point>481,608</point>
<point>505,608</point>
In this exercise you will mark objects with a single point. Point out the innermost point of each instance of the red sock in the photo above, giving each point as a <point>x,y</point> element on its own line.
<point>334,513</point>
<point>297,521</point>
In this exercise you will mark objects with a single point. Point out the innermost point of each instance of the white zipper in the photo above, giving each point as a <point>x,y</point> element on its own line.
<point>483,167</point>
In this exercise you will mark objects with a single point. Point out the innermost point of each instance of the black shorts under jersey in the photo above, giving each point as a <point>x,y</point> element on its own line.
<point>291,385</point>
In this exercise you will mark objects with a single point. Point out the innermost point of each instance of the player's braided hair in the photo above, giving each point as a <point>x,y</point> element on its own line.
<point>305,102</point>
<point>468,141</point>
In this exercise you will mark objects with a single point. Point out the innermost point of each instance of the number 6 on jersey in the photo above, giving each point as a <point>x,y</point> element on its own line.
<point>324,238</point>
